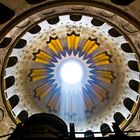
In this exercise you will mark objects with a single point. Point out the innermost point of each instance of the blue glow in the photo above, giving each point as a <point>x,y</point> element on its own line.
<point>72,76</point>
<point>72,107</point>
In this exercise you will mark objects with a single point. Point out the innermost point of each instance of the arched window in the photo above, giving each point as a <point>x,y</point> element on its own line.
<point>105,129</point>
<point>12,61</point>
<point>114,32</point>
<point>75,17</point>
<point>14,100</point>
<point>5,42</point>
<point>133,65</point>
<point>97,22</point>
<point>119,118</point>
<point>126,48</point>
<point>53,20</point>
<point>35,29</point>
<point>23,115</point>
<point>21,43</point>
<point>9,81</point>
<point>134,85</point>
<point>128,103</point>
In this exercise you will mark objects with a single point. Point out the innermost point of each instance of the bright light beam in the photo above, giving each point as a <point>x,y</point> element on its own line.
<point>72,107</point>
<point>71,72</point>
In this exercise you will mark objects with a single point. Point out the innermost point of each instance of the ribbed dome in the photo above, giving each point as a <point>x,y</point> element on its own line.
<point>77,60</point>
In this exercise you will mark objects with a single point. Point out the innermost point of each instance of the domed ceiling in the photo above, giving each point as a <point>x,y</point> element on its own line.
<point>77,60</point>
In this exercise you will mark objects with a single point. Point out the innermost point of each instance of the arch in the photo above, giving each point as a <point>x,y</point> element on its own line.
<point>105,129</point>
<point>114,32</point>
<point>21,43</point>
<point>35,29</point>
<point>12,61</point>
<point>128,103</point>
<point>133,65</point>
<point>53,20</point>
<point>23,115</point>
<point>5,13</point>
<point>5,42</point>
<point>34,1</point>
<point>97,22</point>
<point>14,100</point>
<point>119,118</point>
<point>126,48</point>
<point>122,2</point>
<point>75,17</point>
<point>9,81</point>
<point>134,85</point>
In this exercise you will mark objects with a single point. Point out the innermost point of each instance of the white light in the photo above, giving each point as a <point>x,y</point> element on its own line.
<point>71,72</point>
